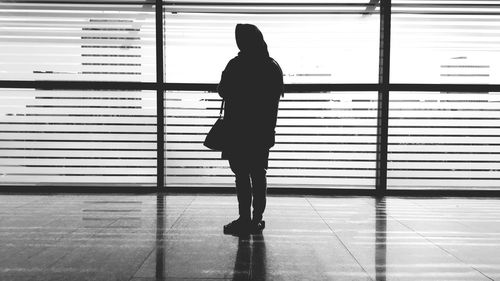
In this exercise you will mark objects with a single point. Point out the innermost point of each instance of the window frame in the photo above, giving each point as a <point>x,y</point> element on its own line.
<point>383,87</point>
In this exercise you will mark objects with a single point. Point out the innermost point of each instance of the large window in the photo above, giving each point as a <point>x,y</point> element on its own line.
<point>87,89</point>
<point>324,139</point>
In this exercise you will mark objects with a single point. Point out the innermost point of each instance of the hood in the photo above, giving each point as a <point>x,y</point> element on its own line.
<point>250,40</point>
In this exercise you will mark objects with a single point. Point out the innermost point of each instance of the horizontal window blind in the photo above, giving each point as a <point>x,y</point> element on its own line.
<point>444,140</point>
<point>90,42</point>
<point>443,41</point>
<point>325,140</point>
<point>333,48</point>
<point>77,137</point>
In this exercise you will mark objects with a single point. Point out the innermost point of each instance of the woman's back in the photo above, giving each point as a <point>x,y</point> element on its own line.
<point>251,88</point>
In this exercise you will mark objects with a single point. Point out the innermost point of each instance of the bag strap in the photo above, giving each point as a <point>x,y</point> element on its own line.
<point>221,108</point>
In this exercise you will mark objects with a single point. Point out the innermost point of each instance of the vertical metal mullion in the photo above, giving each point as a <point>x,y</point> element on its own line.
<point>160,134</point>
<point>383,96</point>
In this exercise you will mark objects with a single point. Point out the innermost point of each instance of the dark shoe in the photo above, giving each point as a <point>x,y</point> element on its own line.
<point>237,227</point>
<point>257,226</point>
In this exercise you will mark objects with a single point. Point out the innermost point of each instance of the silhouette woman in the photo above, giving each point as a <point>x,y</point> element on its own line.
<point>251,86</point>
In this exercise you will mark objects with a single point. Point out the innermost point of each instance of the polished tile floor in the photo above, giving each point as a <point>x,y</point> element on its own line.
<point>179,237</point>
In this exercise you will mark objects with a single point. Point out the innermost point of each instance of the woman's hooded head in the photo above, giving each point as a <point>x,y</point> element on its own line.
<point>250,40</point>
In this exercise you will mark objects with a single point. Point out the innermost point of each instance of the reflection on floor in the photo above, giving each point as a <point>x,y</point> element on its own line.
<point>179,237</point>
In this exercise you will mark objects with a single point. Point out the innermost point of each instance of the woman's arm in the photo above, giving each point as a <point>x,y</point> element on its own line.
<point>226,84</point>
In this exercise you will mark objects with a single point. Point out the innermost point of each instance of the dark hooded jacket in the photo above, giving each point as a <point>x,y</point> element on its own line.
<point>251,86</point>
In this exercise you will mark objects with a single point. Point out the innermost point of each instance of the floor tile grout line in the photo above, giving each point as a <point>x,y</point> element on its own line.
<point>141,264</point>
<point>181,214</point>
<point>340,240</point>
<point>440,247</point>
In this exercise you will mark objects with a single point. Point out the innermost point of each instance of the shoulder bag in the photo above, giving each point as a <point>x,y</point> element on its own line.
<point>216,137</point>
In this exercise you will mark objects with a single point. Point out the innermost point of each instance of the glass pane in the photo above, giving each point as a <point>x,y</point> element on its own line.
<point>77,137</point>
<point>77,42</point>
<point>445,42</point>
<point>313,44</point>
<point>324,140</point>
<point>444,140</point>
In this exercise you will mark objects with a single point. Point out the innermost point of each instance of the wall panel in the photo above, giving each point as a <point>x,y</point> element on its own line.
<point>56,137</point>
<point>444,140</point>
<point>84,42</point>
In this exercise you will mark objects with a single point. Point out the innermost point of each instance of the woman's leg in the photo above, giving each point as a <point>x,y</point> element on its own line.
<point>259,190</point>
<point>258,171</point>
<point>243,187</point>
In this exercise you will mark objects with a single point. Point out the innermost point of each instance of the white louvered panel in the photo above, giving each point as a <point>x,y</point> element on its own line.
<point>292,155</point>
<point>451,166</point>
<point>85,171</point>
<point>287,147</point>
<point>440,140</point>
<point>285,113</point>
<point>466,105</point>
<point>51,118</point>
<point>91,42</point>
<point>290,139</point>
<point>442,174</point>
<point>318,97</point>
<point>278,175</point>
<point>284,130</point>
<point>77,145</point>
<point>82,110</point>
<point>80,137</point>
<point>290,122</point>
<point>444,156</point>
<point>82,162</point>
<point>456,150</point>
<point>69,102</point>
<point>85,152</point>
<point>449,122</point>
<point>448,114</point>
<point>320,173</point>
<point>74,128</point>
<point>443,41</point>
<point>91,145</point>
<point>440,131</point>
<point>78,179</point>
<point>293,182</point>
<point>325,154</point>
<point>437,148</point>
<point>309,164</point>
<point>444,183</point>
